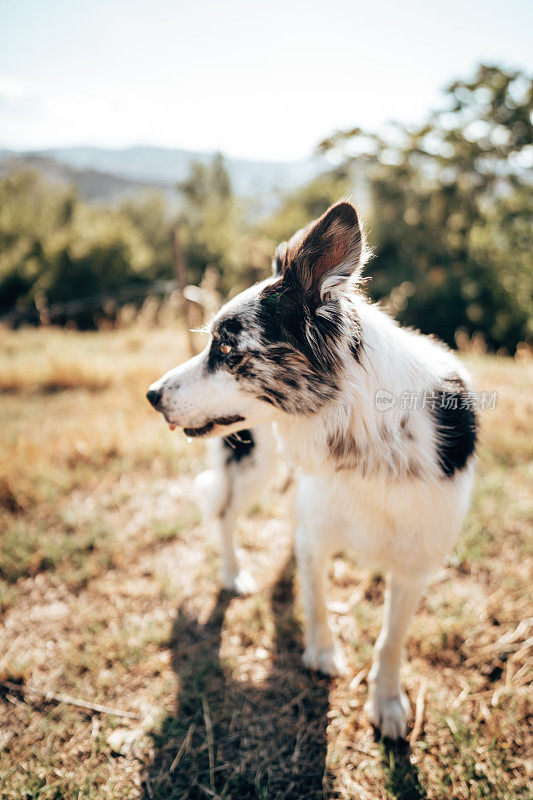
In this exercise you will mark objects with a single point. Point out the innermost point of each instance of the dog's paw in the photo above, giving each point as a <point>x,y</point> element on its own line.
<point>241,583</point>
<point>330,660</point>
<point>389,714</point>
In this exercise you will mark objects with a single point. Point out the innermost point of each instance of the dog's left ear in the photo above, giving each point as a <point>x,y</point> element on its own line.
<point>326,253</point>
<point>279,259</point>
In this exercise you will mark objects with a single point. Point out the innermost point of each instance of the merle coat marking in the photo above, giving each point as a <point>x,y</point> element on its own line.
<point>307,351</point>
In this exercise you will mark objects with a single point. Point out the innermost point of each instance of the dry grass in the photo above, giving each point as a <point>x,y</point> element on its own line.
<point>108,591</point>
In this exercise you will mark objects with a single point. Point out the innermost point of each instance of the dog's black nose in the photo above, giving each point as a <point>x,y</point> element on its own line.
<point>154,397</point>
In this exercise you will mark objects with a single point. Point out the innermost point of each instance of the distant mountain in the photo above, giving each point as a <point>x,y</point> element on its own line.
<point>103,173</point>
<point>92,185</point>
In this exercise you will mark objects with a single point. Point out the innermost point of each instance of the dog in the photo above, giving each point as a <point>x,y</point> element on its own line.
<point>379,475</point>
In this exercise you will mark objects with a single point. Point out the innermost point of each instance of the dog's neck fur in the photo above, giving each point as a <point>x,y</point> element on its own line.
<point>349,433</point>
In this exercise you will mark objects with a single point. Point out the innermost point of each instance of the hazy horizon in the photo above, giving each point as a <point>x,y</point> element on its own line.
<point>151,146</point>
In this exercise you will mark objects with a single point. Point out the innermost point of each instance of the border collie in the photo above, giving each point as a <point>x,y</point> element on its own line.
<point>389,481</point>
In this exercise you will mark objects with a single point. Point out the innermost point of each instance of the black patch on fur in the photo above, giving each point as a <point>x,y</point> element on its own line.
<point>355,349</point>
<point>227,332</point>
<point>288,381</point>
<point>238,446</point>
<point>456,424</point>
<point>245,368</point>
<point>233,325</point>
<point>285,316</point>
<point>295,363</point>
<point>215,358</point>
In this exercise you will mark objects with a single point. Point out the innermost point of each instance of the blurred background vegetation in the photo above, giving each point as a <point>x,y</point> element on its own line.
<point>448,205</point>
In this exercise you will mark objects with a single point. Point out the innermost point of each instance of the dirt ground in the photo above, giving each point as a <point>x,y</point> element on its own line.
<point>109,596</point>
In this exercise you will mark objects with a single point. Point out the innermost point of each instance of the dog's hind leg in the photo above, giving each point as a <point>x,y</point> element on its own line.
<point>388,707</point>
<point>241,466</point>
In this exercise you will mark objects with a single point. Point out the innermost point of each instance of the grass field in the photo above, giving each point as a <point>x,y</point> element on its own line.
<point>108,594</point>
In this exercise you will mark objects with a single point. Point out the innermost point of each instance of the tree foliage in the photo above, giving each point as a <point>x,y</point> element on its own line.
<point>55,246</point>
<point>212,225</point>
<point>452,206</point>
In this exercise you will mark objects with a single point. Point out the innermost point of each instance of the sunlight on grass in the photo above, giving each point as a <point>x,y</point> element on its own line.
<point>108,591</point>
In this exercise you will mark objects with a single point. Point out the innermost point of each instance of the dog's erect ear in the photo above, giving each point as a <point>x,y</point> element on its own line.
<point>279,259</point>
<point>327,252</point>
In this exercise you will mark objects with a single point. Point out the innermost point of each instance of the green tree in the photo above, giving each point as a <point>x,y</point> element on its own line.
<point>452,210</point>
<point>299,207</point>
<point>31,211</point>
<point>212,225</point>
<point>56,247</point>
<point>150,215</point>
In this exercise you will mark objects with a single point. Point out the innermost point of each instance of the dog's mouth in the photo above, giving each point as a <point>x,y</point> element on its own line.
<point>193,433</point>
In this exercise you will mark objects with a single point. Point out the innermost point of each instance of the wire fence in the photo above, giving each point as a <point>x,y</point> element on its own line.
<point>86,310</point>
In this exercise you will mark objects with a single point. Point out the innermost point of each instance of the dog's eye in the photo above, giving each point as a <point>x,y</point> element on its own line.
<point>225,349</point>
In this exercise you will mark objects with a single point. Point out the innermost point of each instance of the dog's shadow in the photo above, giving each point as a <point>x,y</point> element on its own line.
<point>258,737</point>
<point>242,738</point>
<point>401,778</point>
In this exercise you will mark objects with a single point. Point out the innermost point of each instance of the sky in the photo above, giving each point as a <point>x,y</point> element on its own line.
<point>260,79</point>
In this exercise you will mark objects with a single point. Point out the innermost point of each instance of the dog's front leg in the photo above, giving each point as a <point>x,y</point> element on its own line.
<point>232,576</point>
<point>321,653</point>
<point>388,707</point>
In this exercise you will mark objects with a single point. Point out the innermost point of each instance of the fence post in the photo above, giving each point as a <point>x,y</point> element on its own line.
<point>180,269</point>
